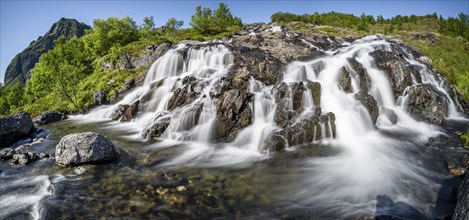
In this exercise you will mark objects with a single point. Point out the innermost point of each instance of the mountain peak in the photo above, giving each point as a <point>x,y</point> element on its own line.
<point>19,69</point>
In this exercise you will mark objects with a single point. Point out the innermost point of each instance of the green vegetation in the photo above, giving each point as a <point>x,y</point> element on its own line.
<point>66,77</point>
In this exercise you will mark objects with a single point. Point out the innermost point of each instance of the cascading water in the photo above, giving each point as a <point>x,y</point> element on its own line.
<point>369,162</point>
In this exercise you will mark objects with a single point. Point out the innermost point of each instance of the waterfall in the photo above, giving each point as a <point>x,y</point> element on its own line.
<point>178,96</point>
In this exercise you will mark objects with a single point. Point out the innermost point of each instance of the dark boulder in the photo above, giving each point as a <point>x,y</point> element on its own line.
<point>14,128</point>
<point>345,81</point>
<point>157,128</point>
<point>131,111</point>
<point>119,111</point>
<point>462,208</point>
<point>370,104</point>
<point>7,154</point>
<point>99,97</point>
<point>398,71</point>
<point>233,114</point>
<point>184,95</point>
<point>49,117</point>
<point>425,103</point>
<point>283,114</point>
<point>365,82</point>
<point>315,89</point>
<point>274,142</point>
<point>84,148</point>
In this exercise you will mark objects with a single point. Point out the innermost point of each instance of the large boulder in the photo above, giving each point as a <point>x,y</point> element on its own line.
<point>370,104</point>
<point>157,128</point>
<point>99,97</point>
<point>345,81</point>
<point>84,148</point>
<point>49,117</point>
<point>425,103</point>
<point>14,128</point>
<point>365,82</point>
<point>233,114</point>
<point>462,208</point>
<point>397,69</point>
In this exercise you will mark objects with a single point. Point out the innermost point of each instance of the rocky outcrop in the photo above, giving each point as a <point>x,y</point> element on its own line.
<point>370,104</point>
<point>157,128</point>
<point>184,95</point>
<point>398,71</point>
<point>19,70</point>
<point>233,114</point>
<point>49,117</point>
<point>306,130</point>
<point>119,111</point>
<point>84,148</point>
<point>99,97</point>
<point>345,81</point>
<point>462,208</point>
<point>15,127</point>
<point>131,111</point>
<point>365,82</point>
<point>425,103</point>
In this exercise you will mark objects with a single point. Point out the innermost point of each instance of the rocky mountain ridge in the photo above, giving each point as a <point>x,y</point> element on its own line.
<point>19,69</point>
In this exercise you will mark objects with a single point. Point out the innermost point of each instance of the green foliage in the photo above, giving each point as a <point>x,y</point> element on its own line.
<point>221,20</point>
<point>59,71</point>
<point>112,32</point>
<point>11,99</point>
<point>451,27</point>
<point>465,138</point>
<point>172,25</point>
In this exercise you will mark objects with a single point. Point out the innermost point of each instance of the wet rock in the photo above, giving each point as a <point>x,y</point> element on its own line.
<point>274,142</point>
<point>184,95</point>
<point>296,95</point>
<point>21,159</point>
<point>318,67</point>
<point>390,114</point>
<point>84,148</point>
<point>14,128</point>
<point>99,97</point>
<point>233,114</point>
<point>7,154</point>
<point>49,117</point>
<point>119,111</point>
<point>398,71</point>
<point>462,208</point>
<point>345,81</point>
<point>130,112</point>
<point>157,128</point>
<point>283,114</point>
<point>370,104</point>
<point>315,88</point>
<point>365,82</point>
<point>425,103</point>
<point>44,155</point>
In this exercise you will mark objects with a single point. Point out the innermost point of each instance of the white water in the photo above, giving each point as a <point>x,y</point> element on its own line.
<point>368,164</point>
<point>23,195</point>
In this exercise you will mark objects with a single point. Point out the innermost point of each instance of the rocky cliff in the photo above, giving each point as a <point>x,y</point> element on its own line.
<point>19,70</point>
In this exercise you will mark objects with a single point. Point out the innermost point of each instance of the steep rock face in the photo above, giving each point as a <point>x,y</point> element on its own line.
<point>19,69</point>
<point>15,127</point>
<point>396,68</point>
<point>462,208</point>
<point>427,104</point>
<point>370,104</point>
<point>233,114</point>
<point>82,148</point>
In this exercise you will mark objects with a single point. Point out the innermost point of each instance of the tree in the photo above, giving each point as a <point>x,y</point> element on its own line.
<point>172,25</point>
<point>148,27</point>
<point>221,20</point>
<point>112,32</point>
<point>59,71</point>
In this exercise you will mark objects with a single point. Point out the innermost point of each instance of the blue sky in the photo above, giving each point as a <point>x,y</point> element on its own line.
<point>23,21</point>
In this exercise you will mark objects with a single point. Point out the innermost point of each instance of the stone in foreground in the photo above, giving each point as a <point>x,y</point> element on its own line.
<point>85,148</point>
<point>14,128</point>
